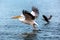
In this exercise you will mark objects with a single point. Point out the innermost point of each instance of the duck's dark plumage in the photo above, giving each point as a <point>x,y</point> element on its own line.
<point>45,18</point>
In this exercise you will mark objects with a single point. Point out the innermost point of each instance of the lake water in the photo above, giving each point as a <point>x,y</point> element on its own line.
<point>11,29</point>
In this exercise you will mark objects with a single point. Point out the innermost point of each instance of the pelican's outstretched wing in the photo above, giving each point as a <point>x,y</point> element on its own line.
<point>28,15</point>
<point>35,12</point>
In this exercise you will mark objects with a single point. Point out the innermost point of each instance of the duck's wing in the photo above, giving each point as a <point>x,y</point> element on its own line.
<point>50,17</point>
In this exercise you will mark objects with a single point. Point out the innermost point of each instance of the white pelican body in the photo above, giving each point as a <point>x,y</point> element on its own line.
<point>30,22</point>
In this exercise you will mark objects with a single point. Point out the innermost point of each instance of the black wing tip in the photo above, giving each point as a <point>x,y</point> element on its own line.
<point>25,11</point>
<point>50,17</point>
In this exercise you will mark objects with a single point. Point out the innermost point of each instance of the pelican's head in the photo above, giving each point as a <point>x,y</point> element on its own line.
<point>16,17</point>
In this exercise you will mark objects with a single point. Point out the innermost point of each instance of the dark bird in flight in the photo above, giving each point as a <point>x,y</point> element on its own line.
<point>47,18</point>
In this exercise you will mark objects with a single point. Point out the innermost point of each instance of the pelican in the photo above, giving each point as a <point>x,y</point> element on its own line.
<point>29,17</point>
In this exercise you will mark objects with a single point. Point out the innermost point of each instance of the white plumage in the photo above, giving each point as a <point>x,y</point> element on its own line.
<point>33,13</point>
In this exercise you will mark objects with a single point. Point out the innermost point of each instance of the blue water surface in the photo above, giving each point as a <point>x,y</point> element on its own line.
<point>11,29</point>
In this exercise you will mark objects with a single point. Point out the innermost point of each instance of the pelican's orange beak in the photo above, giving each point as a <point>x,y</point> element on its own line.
<point>16,17</point>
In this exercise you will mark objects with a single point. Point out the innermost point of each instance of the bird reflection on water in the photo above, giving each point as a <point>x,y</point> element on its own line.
<point>30,36</point>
